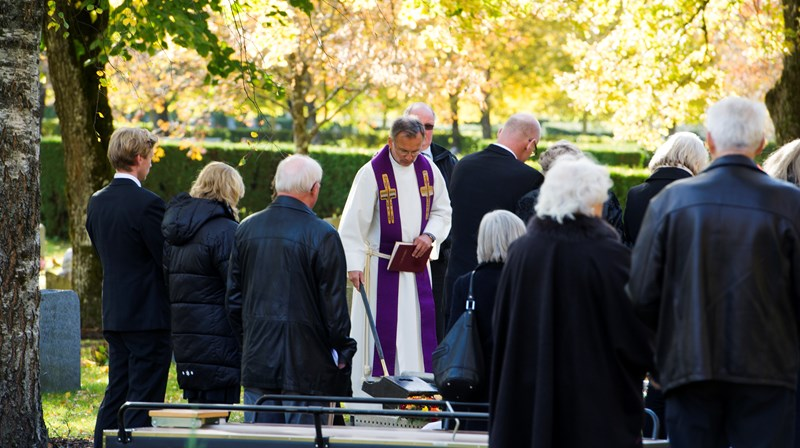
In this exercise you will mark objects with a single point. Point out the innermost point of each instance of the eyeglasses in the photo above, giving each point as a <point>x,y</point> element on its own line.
<point>428,127</point>
<point>534,144</point>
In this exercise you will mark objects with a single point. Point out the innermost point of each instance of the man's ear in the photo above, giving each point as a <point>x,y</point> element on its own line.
<point>761,146</point>
<point>712,149</point>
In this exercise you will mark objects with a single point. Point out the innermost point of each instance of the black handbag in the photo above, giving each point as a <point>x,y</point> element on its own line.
<point>458,360</point>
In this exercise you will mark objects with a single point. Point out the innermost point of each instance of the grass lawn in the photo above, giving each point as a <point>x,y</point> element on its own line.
<point>71,415</point>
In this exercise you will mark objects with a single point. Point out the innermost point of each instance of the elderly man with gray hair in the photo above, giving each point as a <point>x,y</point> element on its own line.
<point>716,275</point>
<point>396,197</point>
<point>286,297</point>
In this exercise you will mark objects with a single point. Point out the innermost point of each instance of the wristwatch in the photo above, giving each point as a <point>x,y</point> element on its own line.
<point>430,235</point>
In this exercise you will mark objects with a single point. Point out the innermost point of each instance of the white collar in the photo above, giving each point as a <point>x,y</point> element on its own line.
<point>428,152</point>
<point>506,148</point>
<point>119,175</point>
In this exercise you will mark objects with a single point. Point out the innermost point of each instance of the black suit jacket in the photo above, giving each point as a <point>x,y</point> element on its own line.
<point>488,180</point>
<point>124,223</point>
<point>445,161</point>
<point>639,198</point>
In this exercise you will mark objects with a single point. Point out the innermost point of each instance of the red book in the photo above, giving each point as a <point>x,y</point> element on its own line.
<point>403,261</point>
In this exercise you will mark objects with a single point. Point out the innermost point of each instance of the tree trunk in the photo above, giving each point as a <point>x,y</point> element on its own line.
<point>299,86</point>
<point>783,100</point>
<point>21,423</point>
<point>585,122</point>
<point>454,114</point>
<point>486,120</point>
<point>86,126</point>
<point>486,110</point>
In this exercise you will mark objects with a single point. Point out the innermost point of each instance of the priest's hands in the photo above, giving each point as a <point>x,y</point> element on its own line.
<point>421,244</point>
<point>356,278</point>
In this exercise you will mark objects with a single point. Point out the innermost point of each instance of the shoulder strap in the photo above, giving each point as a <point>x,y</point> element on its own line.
<point>470,298</point>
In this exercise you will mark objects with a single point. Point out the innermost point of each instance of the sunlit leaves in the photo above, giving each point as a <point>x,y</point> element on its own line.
<point>651,66</point>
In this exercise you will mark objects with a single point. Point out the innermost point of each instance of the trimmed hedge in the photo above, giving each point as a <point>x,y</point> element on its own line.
<point>175,172</point>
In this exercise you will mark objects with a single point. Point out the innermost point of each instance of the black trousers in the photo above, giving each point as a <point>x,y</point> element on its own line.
<point>438,271</point>
<point>138,366</point>
<point>716,414</point>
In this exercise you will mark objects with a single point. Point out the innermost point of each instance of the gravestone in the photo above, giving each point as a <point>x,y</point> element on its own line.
<point>59,341</point>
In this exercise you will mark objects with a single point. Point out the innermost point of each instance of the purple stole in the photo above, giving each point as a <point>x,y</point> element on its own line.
<point>389,281</point>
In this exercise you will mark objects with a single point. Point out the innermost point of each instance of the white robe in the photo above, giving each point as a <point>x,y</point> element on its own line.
<point>360,228</point>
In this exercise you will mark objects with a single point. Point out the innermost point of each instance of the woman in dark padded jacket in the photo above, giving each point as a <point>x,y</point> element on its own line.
<point>198,228</point>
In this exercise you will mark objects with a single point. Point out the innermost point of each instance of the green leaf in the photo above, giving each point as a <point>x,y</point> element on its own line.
<point>304,5</point>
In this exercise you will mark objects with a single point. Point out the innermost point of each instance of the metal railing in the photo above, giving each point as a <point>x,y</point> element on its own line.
<point>125,436</point>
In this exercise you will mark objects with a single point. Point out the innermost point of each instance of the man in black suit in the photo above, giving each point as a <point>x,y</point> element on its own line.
<point>124,223</point>
<point>492,179</point>
<point>446,162</point>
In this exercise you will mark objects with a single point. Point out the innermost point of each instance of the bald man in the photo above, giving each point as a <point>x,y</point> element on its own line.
<point>492,179</point>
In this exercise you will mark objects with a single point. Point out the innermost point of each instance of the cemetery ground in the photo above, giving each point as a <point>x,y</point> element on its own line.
<point>70,416</point>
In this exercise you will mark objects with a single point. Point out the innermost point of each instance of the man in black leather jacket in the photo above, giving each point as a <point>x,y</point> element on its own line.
<point>716,274</point>
<point>286,297</point>
<point>445,161</point>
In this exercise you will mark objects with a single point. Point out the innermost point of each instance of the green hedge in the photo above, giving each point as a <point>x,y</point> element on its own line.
<point>175,172</point>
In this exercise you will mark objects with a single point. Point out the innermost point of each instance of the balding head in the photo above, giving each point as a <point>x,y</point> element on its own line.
<point>521,134</point>
<point>428,119</point>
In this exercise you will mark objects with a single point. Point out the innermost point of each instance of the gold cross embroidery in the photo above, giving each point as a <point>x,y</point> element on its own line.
<point>387,195</point>
<point>426,191</point>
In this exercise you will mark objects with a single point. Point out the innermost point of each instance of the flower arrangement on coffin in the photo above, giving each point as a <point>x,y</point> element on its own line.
<point>421,407</point>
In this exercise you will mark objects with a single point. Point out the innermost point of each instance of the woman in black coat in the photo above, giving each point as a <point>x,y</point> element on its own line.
<point>569,353</point>
<point>682,155</point>
<point>198,228</point>
<point>497,230</point>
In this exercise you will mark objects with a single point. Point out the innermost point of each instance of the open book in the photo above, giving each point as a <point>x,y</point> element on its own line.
<point>403,261</point>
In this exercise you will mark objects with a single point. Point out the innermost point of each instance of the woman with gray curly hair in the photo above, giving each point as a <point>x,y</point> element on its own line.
<point>566,337</point>
<point>682,155</point>
<point>612,211</point>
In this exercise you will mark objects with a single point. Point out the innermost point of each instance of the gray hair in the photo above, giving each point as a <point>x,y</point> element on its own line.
<point>572,187</point>
<point>497,230</point>
<point>409,126</point>
<point>418,105</point>
<point>737,124</point>
<point>556,150</point>
<point>784,163</point>
<point>297,174</point>
<point>681,150</point>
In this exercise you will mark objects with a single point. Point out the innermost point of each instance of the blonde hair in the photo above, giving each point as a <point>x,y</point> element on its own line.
<point>497,230</point>
<point>784,163</point>
<point>219,182</point>
<point>127,143</point>
<point>572,187</point>
<point>681,150</point>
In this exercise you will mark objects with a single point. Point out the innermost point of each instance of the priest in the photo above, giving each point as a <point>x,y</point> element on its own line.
<point>396,197</point>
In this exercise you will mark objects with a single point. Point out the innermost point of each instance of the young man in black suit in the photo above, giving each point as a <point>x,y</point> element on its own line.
<point>492,179</point>
<point>124,223</point>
